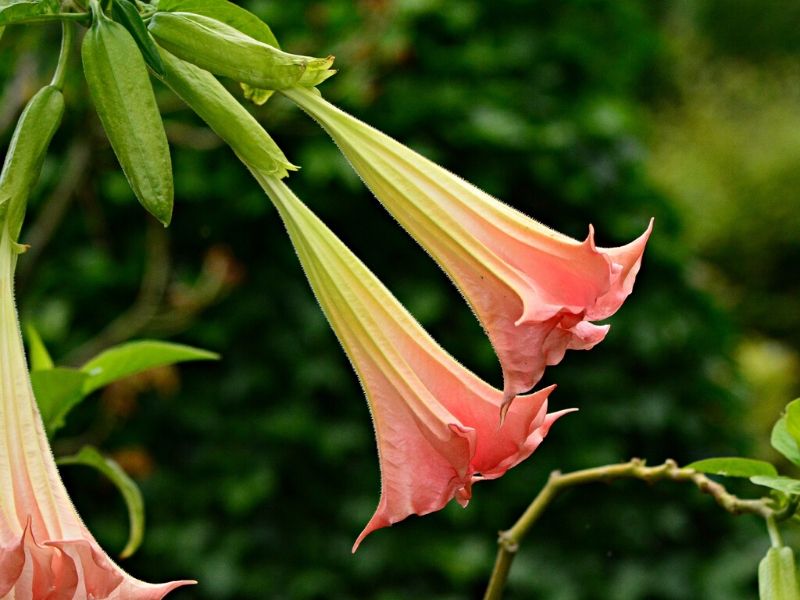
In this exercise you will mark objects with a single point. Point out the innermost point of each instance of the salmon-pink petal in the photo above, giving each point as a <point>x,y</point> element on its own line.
<point>529,286</point>
<point>46,552</point>
<point>436,423</point>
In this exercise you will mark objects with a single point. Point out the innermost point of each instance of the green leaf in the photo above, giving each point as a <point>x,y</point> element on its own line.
<point>27,11</point>
<point>126,14</point>
<point>783,441</point>
<point>227,12</point>
<point>89,456</point>
<point>134,357</point>
<point>787,485</point>
<point>734,467</point>
<point>57,392</point>
<point>792,417</point>
<point>777,575</point>
<point>37,352</point>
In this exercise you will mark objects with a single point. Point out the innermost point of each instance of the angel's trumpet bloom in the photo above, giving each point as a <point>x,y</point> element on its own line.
<point>46,552</point>
<point>435,422</point>
<point>534,290</point>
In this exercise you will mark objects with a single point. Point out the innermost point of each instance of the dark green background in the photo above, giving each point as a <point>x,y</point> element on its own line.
<point>259,471</point>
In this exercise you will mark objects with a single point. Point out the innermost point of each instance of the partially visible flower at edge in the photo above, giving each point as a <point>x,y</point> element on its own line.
<point>435,421</point>
<point>534,290</point>
<point>46,552</point>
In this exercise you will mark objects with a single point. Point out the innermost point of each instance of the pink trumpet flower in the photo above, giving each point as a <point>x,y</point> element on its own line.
<point>435,422</point>
<point>534,290</point>
<point>46,552</point>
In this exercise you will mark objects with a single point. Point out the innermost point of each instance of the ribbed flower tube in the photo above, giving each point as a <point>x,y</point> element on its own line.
<point>436,423</point>
<point>46,552</point>
<point>535,291</point>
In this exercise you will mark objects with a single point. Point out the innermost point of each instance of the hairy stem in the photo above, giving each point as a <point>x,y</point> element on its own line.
<point>509,540</point>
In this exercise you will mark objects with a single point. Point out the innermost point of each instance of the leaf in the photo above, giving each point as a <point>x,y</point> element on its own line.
<point>227,12</point>
<point>37,352</point>
<point>27,11</point>
<point>134,357</point>
<point>57,392</point>
<point>777,575</point>
<point>787,485</point>
<point>783,441</point>
<point>126,14</point>
<point>792,417</point>
<point>734,467</point>
<point>90,456</point>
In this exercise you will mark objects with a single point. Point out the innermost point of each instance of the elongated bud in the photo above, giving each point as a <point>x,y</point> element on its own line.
<point>120,89</point>
<point>223,50</point>
<point>777,576</point>
<point>230,120</point>
<point>35,128</point>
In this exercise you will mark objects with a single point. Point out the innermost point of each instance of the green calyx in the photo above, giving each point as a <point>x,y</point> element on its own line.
<point>224,50</point>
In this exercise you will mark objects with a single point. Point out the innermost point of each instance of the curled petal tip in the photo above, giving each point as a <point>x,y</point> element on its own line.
<point>519,276</point>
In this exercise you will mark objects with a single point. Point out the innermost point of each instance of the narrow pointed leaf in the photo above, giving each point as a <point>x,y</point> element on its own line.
<point>134,357</point>
<point>125,14</point>
<point>37,351</point>
<point>91,457</point>
<point>783,441</point>
<point>57,392</point>
<point>787,485</point>
<point>734,467</point>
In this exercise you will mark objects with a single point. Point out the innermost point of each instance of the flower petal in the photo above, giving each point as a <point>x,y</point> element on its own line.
<point>46,553</point>
<point>436,423</point>
<point>532,288</point>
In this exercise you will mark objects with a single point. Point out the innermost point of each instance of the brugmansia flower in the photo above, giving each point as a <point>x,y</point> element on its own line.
<point>534,290</point>
<point>435,422</point>
<point>46,552</point>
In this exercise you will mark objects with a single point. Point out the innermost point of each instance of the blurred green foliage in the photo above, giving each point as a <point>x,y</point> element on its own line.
<point>259,471</point>
<point>726,148</point>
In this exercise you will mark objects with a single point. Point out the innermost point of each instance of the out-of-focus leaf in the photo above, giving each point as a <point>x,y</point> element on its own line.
<point>37,351</point>
<point>783,441</point>
<point>777,575</point>
<point>787,485</point>
<point>90,456</point>
<point>734,467</point>
<point>134,357</point>
<point>793,420</point>
<point>57,392</point>
<point>27,11</point>
<point>226,12</point>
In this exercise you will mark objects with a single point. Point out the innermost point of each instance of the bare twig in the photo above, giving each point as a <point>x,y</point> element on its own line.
<point>509,540</point>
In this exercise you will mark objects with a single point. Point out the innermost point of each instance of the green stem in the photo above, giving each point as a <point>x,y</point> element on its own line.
<point>63,56</point>
<point>775,538</point>
<point>787,512</point>
<point>81,17</point>
<point>508,541</point>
